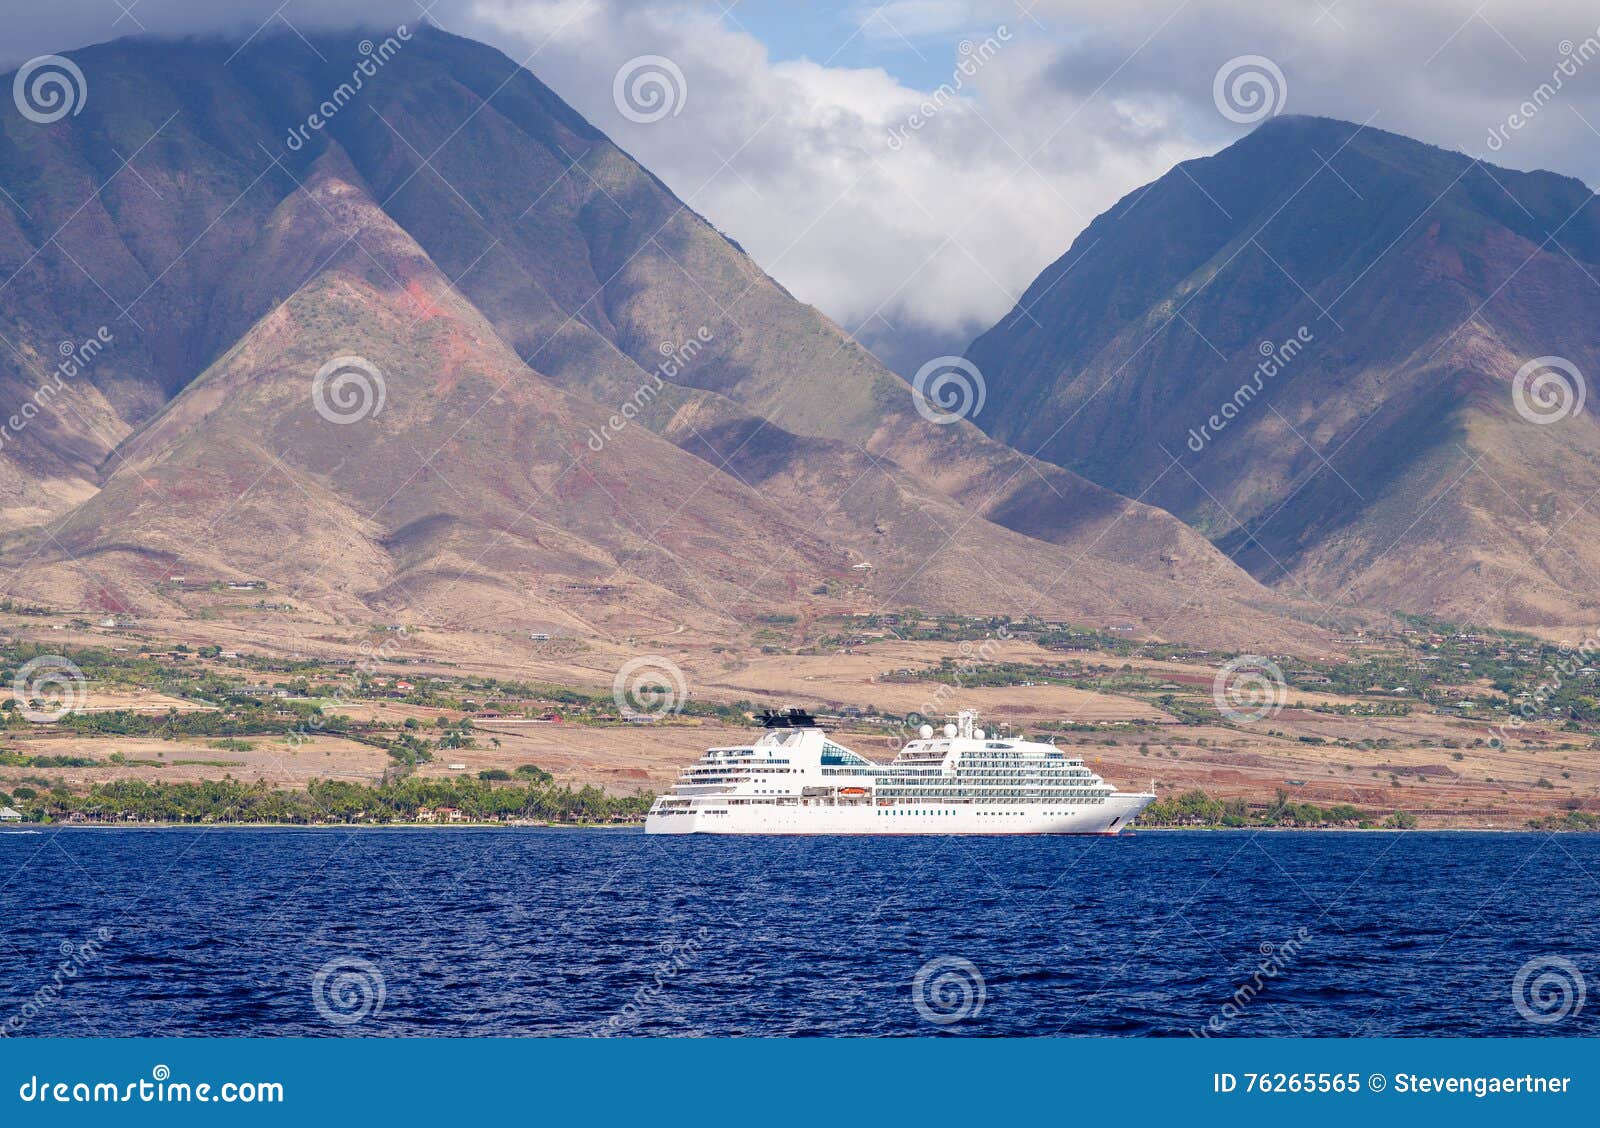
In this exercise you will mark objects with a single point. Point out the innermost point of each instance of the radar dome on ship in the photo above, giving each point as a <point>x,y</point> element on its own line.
<point>950,732</point>
<point>926,731</point>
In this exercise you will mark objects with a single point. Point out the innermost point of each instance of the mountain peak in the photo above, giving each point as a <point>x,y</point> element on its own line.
<point>1140,364</point>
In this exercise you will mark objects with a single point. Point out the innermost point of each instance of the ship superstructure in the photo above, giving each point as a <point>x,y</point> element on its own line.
<point>796,779</point>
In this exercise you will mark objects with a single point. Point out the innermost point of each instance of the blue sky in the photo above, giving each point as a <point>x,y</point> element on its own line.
<point>915,41</point>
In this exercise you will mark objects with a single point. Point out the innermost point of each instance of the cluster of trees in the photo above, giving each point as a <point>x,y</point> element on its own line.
<point>11,759</point>
<point>1570,820</point>
<point>527,772</point>
<point>242,719</point>
<point>1196,808</point>
<point>327,801</point>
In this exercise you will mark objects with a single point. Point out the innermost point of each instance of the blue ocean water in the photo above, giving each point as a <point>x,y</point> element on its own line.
<point>552,932</point>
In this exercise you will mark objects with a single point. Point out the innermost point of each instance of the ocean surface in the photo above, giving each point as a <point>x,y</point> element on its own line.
<point>552,932</point>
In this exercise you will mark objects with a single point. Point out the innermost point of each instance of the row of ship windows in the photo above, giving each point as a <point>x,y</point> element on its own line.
<point>991,758</point>
<point>955,803</point>
<point>1049,769</point>
<point>987,790</point>
<point>950,793</point>
<point>735,767</point>
<point>884,771</point>
<point>964,770</point>
<point>980,814</point>
<point>984,787</point>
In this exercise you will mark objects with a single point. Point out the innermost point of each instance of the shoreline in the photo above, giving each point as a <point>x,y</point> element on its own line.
<point>40,828</point>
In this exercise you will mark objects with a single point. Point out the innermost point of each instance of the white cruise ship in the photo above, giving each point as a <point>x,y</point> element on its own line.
<point>797,780</point>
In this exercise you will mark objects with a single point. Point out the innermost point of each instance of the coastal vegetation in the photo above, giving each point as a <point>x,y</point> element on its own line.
<point>328,801</point>
<point>1195,808</point>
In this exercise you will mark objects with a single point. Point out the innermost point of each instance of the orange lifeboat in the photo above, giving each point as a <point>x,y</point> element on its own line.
<point>854,792</point>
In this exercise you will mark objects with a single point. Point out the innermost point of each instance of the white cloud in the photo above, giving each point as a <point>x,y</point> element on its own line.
<point>906,20</point>
<point>840,181</point>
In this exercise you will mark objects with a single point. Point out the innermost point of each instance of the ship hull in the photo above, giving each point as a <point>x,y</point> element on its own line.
<point>1109,817</point>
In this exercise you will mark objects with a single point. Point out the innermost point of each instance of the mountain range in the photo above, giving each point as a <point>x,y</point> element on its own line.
<point>451,353</point>
<point>448,353</point>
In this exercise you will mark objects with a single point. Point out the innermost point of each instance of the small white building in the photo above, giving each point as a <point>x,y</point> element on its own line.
<point>7,814</point>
